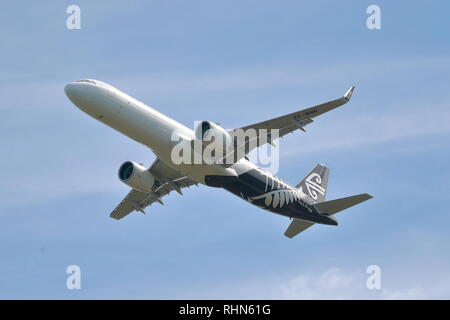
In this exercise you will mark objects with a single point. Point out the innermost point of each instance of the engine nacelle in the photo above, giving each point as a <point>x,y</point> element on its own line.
<point>208,131</point>
<point>216,141</point>
<point>136,176</point>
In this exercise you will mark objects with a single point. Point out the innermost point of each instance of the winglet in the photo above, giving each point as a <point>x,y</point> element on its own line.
<point>348,94</point>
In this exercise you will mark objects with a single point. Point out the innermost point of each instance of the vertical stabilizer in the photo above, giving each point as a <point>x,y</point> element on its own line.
<point>315,183</point>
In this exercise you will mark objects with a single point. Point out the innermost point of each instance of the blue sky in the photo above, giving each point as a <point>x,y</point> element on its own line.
<point>233,62</point>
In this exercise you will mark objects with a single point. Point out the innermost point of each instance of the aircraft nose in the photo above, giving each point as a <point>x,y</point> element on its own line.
<point>87,96</point>
<point>71,90</point>
<point>80,94</point>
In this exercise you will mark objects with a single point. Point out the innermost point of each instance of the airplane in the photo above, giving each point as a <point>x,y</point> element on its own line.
<point>304,203</point>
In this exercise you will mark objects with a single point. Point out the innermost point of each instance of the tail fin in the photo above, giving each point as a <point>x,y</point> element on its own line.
<point>315,183</point>
<point>334,206</point>
<point>328,208</point>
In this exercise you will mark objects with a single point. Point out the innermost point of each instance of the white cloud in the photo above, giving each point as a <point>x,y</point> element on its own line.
<point>387,127</point>
<point>403,294</point>
<point>330,284</point>
<point>351,284</point>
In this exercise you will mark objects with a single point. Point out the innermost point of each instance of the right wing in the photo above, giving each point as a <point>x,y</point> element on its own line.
<point>166,180</point>
<point>297,120</point>
<point>284,124</point>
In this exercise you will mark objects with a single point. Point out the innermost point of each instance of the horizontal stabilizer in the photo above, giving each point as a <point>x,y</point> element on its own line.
<point>334,206</point>
<point>296,227</point>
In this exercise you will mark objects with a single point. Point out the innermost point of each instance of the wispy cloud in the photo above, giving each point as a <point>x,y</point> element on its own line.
<point>338,284</point>
<point>330,284</point>
<point>385,127</point>
<point>403,294</point>
<point>282,75</point>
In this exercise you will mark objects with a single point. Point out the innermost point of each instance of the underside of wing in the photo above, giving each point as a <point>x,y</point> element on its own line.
<point>299,119</point>
<point>130,203</point>
<point>166,180</point>
<point>269,130</point>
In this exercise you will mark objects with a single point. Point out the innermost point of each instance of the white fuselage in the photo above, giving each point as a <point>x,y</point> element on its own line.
<point>163,135</point>
<point>139,122</point>
<point>157,131</point>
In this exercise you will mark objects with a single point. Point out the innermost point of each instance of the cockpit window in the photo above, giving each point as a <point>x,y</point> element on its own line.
<point>86,80</point>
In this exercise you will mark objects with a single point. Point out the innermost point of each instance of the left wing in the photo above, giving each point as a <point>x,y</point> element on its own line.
<point>166,180</point>
<point>285,124</point>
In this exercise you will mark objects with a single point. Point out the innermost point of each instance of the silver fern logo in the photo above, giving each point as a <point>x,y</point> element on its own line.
<point>313,185</point>
<point>279,198</point>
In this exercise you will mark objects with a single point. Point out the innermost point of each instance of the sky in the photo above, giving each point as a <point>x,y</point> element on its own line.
<point>233,62</point>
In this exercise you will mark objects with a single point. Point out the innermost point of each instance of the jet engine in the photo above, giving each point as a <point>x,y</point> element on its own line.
<point>136,176</point>
<point>217,142</point>
<point>206,130</point>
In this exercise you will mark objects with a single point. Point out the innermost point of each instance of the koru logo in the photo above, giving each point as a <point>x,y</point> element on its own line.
<point>313,185</point>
